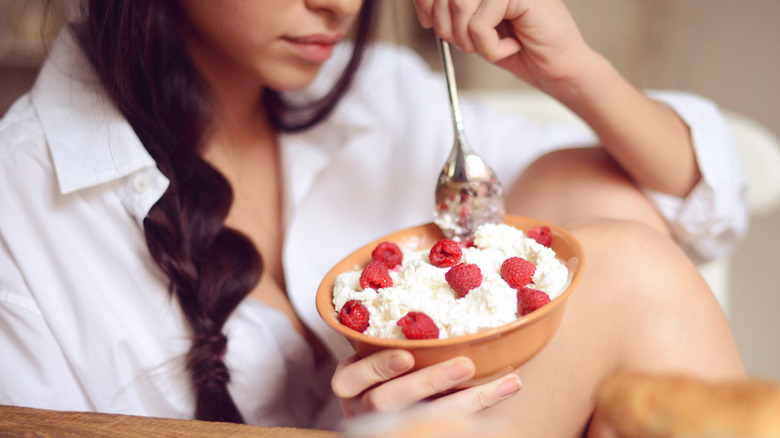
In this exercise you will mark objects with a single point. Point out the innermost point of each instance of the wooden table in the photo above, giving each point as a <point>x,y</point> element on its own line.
<point>28,422</point>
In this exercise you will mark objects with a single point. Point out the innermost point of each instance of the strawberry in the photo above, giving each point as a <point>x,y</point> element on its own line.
<point>463,278</point>
<point>375,276</point>
<point>517,271</point>
<point>417,325</point>
<point>541,234</point>
<point>445,253</point>
<point>354,315</point>
<point>529,300</point>
<point>388,253</point>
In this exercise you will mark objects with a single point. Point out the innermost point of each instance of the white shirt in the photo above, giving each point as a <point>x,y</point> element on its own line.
<point>86,322</point>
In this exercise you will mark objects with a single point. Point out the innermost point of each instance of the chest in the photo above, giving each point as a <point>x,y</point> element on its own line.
<point>254,177</point>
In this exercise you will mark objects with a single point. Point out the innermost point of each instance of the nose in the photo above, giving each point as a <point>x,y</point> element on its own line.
<point>337,8</point>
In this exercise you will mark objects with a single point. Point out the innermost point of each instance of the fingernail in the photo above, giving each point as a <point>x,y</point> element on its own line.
<point>458,370</point>
<point>425,19</point>
<point>509,387</point>
<point>398,363</point>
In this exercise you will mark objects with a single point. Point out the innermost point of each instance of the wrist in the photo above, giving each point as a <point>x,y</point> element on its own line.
<point>594,79</point>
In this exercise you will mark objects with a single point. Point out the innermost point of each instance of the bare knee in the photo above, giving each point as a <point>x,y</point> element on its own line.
<point>653,305</point>
<point>572,184</point>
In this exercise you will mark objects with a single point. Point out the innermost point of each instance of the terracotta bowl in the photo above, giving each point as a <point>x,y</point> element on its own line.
<point>494,351</point>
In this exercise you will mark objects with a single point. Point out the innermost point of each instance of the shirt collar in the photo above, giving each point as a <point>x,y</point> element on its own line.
<point>90,141</point>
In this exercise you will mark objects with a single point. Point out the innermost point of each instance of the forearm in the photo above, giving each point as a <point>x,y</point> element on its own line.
<point>646,137</point>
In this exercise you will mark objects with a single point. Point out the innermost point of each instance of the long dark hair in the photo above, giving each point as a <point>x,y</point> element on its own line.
<point>138,53</point>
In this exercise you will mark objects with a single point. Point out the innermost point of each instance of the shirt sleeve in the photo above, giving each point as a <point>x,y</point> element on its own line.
<point>713,219</point>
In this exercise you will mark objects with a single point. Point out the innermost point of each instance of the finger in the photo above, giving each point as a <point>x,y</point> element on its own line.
<point>442,20</point>
<point>354,375</point>
<point>419,385</point>
<point>476,398</point>
<point>424,12</point>
<point>483,30</point>
<point>461,12</point>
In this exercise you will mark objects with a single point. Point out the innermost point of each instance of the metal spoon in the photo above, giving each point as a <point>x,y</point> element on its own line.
<point>468,193</point>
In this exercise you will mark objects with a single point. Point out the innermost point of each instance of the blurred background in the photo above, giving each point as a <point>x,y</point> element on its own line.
<point>725,50</point>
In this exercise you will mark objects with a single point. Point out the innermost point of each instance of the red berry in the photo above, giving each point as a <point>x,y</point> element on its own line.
<point>468,243</point>
<point>354,315</point>
<point>529,300</point>
<point>517,271</point>
<point>388,253</point>
<point>541,234</point>
<point>463,278</point>
<point>445,253</point>
<point>375,276</point>
<point>417,325</point>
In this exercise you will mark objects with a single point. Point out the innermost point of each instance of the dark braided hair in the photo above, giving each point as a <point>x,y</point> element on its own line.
<point>138,53</point>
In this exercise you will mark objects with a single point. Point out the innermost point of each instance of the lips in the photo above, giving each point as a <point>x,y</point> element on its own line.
<point>314,48</point>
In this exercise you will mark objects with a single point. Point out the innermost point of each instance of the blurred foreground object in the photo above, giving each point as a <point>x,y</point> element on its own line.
<point>649,406</point>
<point>418,422</point>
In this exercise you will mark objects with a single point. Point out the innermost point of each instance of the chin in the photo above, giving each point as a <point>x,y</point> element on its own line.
<point>293,79</point>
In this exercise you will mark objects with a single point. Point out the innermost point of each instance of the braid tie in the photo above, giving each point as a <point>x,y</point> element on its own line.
<point>205,360</point>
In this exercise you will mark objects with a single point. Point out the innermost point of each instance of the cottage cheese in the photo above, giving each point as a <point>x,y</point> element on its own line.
<point>420,286</point>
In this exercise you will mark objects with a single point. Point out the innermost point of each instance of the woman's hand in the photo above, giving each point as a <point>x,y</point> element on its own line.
<point>537,40</point>
<point>382,382</point>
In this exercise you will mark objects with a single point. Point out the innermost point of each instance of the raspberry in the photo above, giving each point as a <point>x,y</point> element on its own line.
<point>445,253</point>
<point>388,253</point>
<point>541,234</point>
<point>529,300</point>
<point>375,276</point>
<point>417,325</point>
<point>517,271</point>
<point>463,278</point>
<point>354,315</point>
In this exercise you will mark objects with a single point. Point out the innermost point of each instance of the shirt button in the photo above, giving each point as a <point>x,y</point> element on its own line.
<point>142,183</point>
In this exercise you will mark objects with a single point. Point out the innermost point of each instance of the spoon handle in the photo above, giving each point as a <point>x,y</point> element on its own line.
<point>452,86</point>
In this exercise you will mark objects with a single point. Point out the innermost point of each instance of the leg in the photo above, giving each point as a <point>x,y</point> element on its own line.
<point>641,303</point>
<point>573,184</point>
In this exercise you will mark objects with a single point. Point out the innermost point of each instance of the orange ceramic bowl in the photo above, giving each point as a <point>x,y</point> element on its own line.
<point>494,351</point>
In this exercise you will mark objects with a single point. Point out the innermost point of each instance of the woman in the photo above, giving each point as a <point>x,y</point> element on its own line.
<point>180,175</point>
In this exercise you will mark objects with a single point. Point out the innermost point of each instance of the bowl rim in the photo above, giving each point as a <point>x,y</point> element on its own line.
<point>327,311</point>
